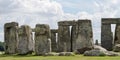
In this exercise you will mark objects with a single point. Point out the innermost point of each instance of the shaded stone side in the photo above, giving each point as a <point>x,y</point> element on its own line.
<point>84,39</point>
<point>64,44</point>
<point>74,30</point>
<point>106,37</point>
<point>25,43</point>
<point>117,34</point>
<point>11,37</point>
<point>42,39</point>
<point>53,40</point>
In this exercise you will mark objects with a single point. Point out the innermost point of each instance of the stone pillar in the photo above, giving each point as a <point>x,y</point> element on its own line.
<point>42,39</point>
<point>117,34</point>
<point>25,43</point>
<point>84,39</point>
<point>73,37</point>
<point>96,42</point>
<point>11,37</point>
<point>64,44</point>
<point>106,36</point>
<point>53,40</point>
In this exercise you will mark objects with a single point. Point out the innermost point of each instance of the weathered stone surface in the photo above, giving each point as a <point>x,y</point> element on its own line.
<point>64,42</point>
<point>67,23</point>
<point>66,54</point>
<point>94,53</point>
<point>84,39</point>
<point>42,39</point>
<point>96,47</point>
<point>106,37</point>
<point>117,34</point>
<point>25,43</point>
<point>74,30</point>
<point>100,51</point>
<point>111,53</point>
<point>11,37</point>
<point>53,40</point>
<point>116,48</point>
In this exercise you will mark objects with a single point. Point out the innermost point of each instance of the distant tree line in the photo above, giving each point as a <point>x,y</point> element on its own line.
<point>1,46</point>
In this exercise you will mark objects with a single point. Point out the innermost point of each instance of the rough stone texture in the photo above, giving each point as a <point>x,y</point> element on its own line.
<point>66,38</point>
<point>64,43</point>
<point>116,48</point>
<point>73,37</point>
<point>106,37</point>
<point>100,53</point>
<point>53,40</point>
<point>96,47</point>
<point>42,39</point>
<point>106,34</point>
<point>66,54</point>
<point>25,43</point>
<point>11,37</point>
<point>94,53</point>
<point>84,39</point>
<point>117,35</point>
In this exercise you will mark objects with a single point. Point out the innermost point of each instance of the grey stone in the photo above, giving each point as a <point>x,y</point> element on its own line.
<point>117,34</point>
<point>96,42</point>
<point>106,37</point>
<point>111,53</point>
<point>25,43</point>
<point>54,40</point>
<point>64,43</point>
<point>66,54</point>
<point>42,39</point>
<point>94,53</point>
<point>84,39</point>
<point>116,48</point>
<point>74,30</point>
<point>11,37</point>
<point>96,47</point>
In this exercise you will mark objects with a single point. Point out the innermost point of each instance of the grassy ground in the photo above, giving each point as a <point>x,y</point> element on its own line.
<point>77,57</point>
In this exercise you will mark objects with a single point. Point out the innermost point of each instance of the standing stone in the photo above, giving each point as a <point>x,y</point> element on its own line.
<point>106,37</point>
<point>53,40</point>
<point>117,34</point>
<point>84,39</point>
<point>42,39</point>
<point>64,44</point>
<point>73,37</point>
<point>96,42</point>
<point>25,43</point>
<point>11,37</point>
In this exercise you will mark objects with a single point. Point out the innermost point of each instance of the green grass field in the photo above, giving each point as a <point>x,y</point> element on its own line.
<point>77,57</point>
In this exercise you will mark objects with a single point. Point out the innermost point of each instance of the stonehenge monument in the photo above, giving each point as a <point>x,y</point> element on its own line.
<point>71,36</point>
<point>25,42</point>
<point>54,40</point>
<point>107,40</point>
<point>42,39</point>
<point>11,37</point>
<point>84,40</point>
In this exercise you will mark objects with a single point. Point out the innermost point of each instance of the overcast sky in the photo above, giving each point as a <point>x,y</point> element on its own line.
<point>31,12</point>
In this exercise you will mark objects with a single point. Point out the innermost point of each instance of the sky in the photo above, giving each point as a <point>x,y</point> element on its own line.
<point>32,12</point>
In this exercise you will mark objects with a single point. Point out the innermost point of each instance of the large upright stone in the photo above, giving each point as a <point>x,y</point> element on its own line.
<point>84,39</point>
<point>25,43</point>
<point>106,36</point>
<point>64,44</point>
<point>42,39</point>
<point>54,40</point>
<point>74,30</point>
<point>11,37</point>
<point>117,34</point>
